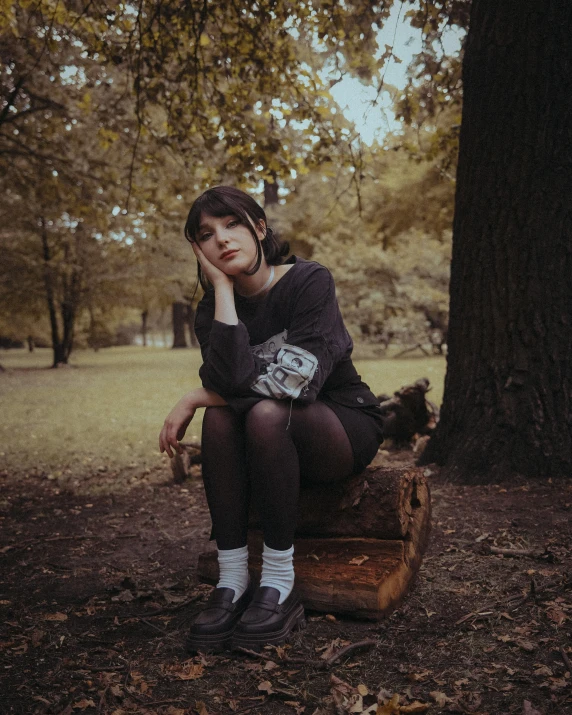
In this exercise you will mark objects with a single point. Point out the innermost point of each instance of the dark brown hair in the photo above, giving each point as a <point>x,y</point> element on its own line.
<point>227,201</point>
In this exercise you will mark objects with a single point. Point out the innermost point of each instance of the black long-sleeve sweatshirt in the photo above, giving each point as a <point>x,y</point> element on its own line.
<point>290,344</point>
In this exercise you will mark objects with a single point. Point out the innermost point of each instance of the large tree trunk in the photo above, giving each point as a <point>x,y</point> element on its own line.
<point>179,321</point>
<point>508,392</point>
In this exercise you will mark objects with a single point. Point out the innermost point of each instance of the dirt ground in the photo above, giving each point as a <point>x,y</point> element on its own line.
<point>98,591</point>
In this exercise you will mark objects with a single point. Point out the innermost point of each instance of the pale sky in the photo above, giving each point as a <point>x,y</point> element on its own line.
<point>373,122</point>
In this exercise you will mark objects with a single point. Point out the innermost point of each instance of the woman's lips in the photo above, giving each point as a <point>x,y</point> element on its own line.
<point>228,254</point>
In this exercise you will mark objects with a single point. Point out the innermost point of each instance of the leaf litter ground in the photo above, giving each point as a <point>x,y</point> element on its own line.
<point>98,591</point>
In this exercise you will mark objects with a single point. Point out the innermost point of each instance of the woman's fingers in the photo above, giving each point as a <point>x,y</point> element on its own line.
<point>165,443</point>
<point>170,445</point>
<point>174,428</point>
<point>170,436</point>
<point>213,273</point>
<point>184,425</point>
<point>201,258</point>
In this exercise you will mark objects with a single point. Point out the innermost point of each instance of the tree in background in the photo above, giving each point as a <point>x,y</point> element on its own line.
<point>508,393</point>
<point>58,177</point>
<point>178,98</point>
<point>430,104</point>
<point>95,97</point>
<point>391,260</point>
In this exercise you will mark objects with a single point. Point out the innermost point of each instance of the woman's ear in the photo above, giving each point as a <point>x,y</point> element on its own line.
<point>261,230</point>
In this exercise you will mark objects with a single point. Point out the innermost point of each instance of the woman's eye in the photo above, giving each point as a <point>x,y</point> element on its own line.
<point>204,236</point>
<point>232,224</point>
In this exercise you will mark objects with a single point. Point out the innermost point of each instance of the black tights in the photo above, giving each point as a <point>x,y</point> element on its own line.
<point>258,453</point>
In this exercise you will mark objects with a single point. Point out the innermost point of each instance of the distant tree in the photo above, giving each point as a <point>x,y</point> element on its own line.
<point>430,103</point>
<point>508,393</point>
<point>391,263</point>
<point>58,263</point>
<point>58,179</point>
<point>138,108</point>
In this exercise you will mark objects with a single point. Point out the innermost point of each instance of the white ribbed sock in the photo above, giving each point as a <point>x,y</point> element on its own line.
<point>233,570</point>
<point>278,570</point>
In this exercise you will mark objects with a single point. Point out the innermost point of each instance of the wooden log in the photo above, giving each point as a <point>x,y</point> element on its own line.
<point>380,503</point>
<point>364,578</point>
<point>182,464</point>
<point>353,573</point>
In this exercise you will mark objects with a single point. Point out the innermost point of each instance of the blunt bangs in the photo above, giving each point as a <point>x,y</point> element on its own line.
<point>219,202</point>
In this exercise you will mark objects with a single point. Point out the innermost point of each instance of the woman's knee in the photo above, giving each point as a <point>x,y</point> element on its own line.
<point>265,417</point>
<point>220,421</point>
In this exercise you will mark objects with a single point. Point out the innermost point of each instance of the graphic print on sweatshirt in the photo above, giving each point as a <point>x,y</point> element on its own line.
<point>283,370</point>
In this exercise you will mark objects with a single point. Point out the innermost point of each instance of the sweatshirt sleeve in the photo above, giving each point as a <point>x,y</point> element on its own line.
<point>228,363</point>
<point>292,365</point>
<point>311,346</point>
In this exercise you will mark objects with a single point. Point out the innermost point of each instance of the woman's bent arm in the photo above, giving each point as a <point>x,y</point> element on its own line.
<point>179,418</point>
<point>225,309</point>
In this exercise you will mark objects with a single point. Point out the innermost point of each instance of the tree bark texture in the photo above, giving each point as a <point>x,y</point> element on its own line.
<point>179,322</point>
<point>507,405</point>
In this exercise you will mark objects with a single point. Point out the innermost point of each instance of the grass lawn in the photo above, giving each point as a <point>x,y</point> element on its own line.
<point>106,410</point>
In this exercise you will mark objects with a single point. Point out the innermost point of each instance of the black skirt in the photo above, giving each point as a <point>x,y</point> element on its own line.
<point>364,427</point>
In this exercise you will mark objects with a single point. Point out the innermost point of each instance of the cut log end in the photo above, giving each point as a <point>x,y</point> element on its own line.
<point>363,578</point>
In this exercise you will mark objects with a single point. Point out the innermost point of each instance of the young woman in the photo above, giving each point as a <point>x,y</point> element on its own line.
<point>284,404</point>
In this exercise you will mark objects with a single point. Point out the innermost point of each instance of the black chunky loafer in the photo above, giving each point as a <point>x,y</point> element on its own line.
<point>265,622</point>
<point>212,629</point>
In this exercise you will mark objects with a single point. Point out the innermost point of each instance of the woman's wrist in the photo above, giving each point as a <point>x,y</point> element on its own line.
<point>201,397</point>
<point>189,401</point>
<point>223,283</point>
<point>225,309</point>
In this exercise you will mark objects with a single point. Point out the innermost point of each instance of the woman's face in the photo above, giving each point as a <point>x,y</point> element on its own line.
<point>227,243</point>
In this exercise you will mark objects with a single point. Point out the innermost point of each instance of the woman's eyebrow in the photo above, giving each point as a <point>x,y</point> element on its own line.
<point>206,224</point>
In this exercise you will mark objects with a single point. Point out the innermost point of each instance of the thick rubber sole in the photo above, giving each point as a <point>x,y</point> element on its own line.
<point>255,641</point>
<point>208,643</point>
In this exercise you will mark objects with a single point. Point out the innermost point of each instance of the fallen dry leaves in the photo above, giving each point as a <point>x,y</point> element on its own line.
<point>329,650</point>
<point>98,651</point>
<point>349,700</point>
<point>188,670</point>
<point>440,698</point>
<point>359,560</point>
<point>57,617</point>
